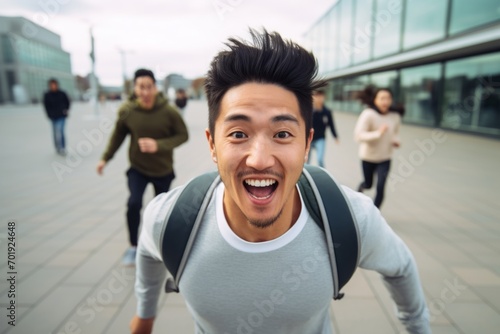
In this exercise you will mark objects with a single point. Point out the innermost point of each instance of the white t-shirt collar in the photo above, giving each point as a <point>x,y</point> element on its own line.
<point>256,247</point>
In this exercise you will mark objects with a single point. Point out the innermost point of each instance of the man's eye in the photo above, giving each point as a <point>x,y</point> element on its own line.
<point>283,135</point>
<point>238,135</point>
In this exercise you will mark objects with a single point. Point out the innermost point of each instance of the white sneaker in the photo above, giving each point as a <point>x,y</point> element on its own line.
<point>129,256</point>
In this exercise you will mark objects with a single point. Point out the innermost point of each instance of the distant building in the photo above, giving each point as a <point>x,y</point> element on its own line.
<point>198,88</point>
<point>176,81</point>
<point>29,56</point>
<point>440,58</point>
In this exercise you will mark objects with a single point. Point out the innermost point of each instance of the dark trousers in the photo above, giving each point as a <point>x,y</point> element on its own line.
<point>382,170</point>
<point>137,183</point>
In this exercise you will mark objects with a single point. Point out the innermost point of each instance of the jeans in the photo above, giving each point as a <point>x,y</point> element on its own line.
<point>58,130</point>
<point>137,183</point>
<point>382,170</point>
<point>319,146</point>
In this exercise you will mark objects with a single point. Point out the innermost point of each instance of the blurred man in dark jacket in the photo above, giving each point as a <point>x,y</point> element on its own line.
<point>322,119</point>
<point>56,104</point>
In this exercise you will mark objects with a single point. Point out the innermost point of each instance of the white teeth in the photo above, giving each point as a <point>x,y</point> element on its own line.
<point>260,183</point>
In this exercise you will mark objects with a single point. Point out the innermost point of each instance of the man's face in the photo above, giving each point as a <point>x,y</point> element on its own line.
<point>53,86</point>
<point>260,150</point>
<point>145,90</point>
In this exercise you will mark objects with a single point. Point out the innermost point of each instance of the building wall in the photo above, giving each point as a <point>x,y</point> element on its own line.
<point>31,55</point>
<point>441,58</point>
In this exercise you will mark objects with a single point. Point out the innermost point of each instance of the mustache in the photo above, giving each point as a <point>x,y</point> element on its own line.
<point>266,172</point>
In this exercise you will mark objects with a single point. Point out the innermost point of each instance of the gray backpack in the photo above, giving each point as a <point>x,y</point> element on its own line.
<point>316,187</point>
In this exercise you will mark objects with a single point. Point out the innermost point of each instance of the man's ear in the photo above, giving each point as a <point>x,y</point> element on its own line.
<point>211,145</point>
<point>308,144</point>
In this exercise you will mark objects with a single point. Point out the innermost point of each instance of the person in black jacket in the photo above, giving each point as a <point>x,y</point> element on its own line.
<point>322,118</point>
<point>56,104</point>
<point>181,100</point>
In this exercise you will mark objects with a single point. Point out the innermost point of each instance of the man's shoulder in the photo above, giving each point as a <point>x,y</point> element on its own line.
<point>157,210</point>
<point>358,200</point>
<point>126,108</point>
<point>162,203</point>
<point>168,110</point>
<point>361,205</point>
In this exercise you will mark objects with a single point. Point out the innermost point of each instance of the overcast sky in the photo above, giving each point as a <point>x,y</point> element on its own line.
<point>166,36</point>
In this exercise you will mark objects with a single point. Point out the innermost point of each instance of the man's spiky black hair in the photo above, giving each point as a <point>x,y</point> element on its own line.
<point>268,59</point>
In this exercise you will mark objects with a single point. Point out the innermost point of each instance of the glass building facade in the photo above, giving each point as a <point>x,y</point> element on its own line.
<point>441,58</point>
<point>29,56</point>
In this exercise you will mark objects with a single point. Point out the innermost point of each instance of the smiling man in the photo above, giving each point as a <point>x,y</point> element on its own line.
<point>259,263</point>
<point>155,129</point>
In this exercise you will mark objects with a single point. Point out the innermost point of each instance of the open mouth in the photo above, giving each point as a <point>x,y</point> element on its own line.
<point>260,189</point>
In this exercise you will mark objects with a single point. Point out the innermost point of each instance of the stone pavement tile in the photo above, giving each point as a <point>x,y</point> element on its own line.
<point>85,243</point>
<point>116,286</point>
<point>445,252</point>
<point>44,252</point>
<point>478,245</point>
<point>360,315</point>
<point>490,294</point>
<point>444,329</point>
<point>443,285</point>
<point>88,319</point>
<point>477,276</point>
<point>51,311</point>
<point>437,279</point>
<point>492,262</point>
<point>120,323</point>
<point>39,283</point>
<point>474,317</point>
<point>69,259</point>
<point>96,266</point>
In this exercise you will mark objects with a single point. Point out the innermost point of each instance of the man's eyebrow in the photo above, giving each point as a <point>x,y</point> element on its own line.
<point>285,118</point>
<point>275,119</point>
<point>237,117</point>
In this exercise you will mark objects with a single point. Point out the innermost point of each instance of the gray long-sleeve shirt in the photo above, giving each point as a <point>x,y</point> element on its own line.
<point>279,286</point>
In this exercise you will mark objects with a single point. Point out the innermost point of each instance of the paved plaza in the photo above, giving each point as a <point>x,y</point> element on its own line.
<point>71,232</point>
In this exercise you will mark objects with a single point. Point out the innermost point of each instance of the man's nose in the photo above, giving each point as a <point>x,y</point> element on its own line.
<point>260,156</point>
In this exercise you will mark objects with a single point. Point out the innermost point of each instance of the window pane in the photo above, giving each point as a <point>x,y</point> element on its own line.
<point>472,94</point>
<point>466,14</point>
<point>320,45</point>
<point>345,22</point>
<point>385,80</point>
<point>425,22</point>
<point>387,27</point>
<point>345,93</point>
<point>337,94</point>
<point>333,45</point>
<point>362,31</point>
<point>420,93</point>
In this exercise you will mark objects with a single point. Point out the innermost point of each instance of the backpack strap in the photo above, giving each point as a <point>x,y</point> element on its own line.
<point>183,223</point>
<point>337,221</point>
